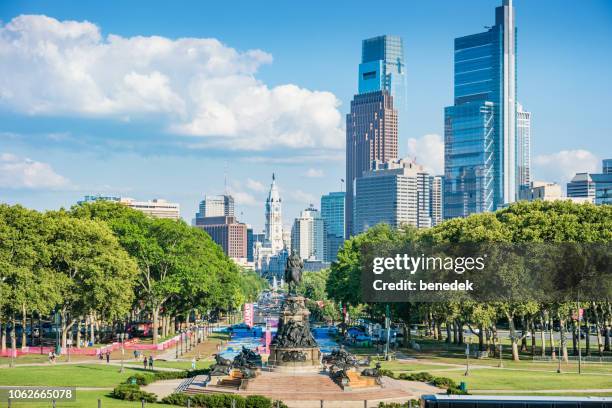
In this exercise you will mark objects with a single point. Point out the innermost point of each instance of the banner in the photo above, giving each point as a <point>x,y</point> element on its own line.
<point>248,314</point>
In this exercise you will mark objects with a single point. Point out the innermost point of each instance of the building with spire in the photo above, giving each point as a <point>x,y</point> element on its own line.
<point>480,129</point>
<point>274,220</point>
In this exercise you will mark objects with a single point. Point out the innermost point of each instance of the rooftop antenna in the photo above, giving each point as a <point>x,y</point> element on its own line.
<point>225,178</point>
<point>341,185</point>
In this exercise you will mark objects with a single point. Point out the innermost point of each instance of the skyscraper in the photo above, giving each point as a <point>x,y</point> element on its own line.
<point>274,221</point>
<point>382,68</point>
<point>596,187</point>
<point>480,128</point>
<point>308,235</point>
<point>216,206</point>
<point>372,125</point>
<point>332,212</point>
<point>396,192</point>
<point>523,146</point>
<point>229,234</point>
<point>371,134</point>
<point>437,200</point>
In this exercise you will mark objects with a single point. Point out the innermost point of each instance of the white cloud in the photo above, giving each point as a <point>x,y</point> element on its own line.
<point>195,86</point>
<point>19,172</point>
<point>302,197</point>
<point>255,185</point>
<point>243,198</point>
<point>314,173</point>
<point>563,165</point>
<point>428,151</point>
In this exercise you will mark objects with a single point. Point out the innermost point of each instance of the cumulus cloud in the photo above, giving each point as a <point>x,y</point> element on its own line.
<point>255,185</point>
<point>302,197</point>
<point>562,166</point>
<point>244,198</point>
<point>195,86</point>
<point>19,172</point>
<point>314,173</point>
<point>428,151</point>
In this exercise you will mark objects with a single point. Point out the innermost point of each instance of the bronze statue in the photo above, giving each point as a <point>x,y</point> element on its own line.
<point>293,271</point>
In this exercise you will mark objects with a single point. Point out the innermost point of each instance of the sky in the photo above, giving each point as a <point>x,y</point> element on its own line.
<point>152,99</point>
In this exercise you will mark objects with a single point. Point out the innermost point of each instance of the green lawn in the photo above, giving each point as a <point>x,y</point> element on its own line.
<point>185,365</point>
<point>496,379</point>
<point>77,375</point>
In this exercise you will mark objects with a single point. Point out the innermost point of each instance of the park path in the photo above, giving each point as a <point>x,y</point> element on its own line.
<point>133,364</point>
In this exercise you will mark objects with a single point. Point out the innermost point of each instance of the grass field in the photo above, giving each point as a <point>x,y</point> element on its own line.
<point>76,375</point>
<point>86,399</point>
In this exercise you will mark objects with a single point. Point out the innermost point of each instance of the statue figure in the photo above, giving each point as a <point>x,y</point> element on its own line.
<point>293,271</point>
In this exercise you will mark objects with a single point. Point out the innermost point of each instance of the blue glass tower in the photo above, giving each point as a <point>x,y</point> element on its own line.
<point>382,68</point>
<point>480,153</point>
<point>332,212</point>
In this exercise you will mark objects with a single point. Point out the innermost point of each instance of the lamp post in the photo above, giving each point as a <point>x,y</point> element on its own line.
<point>501,363</point>
<point>181,340</point>
<point>559,358</point>
<point>177,346</point>
<point>467,357</point>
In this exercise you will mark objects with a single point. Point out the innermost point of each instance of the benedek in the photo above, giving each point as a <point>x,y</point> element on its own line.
<point>423,286</point>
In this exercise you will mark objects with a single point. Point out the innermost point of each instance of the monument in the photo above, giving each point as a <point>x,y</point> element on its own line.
<point>294,347</point>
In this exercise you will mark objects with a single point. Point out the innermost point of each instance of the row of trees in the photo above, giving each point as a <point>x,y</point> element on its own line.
<point>105,263</point>
<point>520,223</point>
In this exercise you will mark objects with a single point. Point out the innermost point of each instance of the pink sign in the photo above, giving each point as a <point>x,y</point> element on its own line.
<point>248,314</point>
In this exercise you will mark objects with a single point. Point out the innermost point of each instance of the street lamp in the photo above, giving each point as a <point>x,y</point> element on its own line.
<point>467,357</point>
<point>177,346</point>
<point>501,364</point>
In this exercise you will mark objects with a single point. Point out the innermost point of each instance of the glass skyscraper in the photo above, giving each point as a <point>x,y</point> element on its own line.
<point>480,153</point>
<point>382,68</point>
<point>332,212</point>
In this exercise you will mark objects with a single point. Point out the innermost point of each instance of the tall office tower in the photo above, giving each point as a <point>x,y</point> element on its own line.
<point>229,234</point>
<point>523,148</point>
<point>437,199</point>
<point>274,221</point>
<point>480,153</point>
<point>371,134</point>
<point>395,193</point>
<point>216,206</point>
<point>156,208</point>
<point>382,68</point>
<point>332,212</point>
<point>308,235</point>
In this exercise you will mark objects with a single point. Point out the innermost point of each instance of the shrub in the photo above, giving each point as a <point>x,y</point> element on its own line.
<point>258,401</point>
<point>174,375</point>
<point>132,392</point>
<point>221,401</point>
<point>415,404</point>
<point>444,382</point>
<point>387,373</point>
<point>456,391</point>
<point>140,379</point>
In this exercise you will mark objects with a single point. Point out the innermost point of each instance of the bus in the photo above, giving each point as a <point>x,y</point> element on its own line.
<point>495,401</point>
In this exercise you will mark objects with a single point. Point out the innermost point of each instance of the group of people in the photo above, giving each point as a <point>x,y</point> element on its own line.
<point>148,362</point>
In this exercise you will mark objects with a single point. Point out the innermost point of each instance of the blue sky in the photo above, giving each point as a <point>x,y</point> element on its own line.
<point>130,123</point>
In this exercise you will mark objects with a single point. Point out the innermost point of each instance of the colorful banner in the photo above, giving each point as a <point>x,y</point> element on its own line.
<point>248,314</point>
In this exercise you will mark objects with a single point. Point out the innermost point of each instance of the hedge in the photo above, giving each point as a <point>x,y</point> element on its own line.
<point>221,401</point>
<point>132,392</point>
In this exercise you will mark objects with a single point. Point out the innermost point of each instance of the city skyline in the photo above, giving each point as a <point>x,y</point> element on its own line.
<point>52,158</point>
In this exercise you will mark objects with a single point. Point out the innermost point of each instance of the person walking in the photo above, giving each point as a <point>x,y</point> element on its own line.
<point>145,362</point>
<point>107,357</point>
<point>151,362</point>
<point>193,363</point>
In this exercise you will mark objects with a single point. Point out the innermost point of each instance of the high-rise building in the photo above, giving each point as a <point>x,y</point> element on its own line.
<point>480,152</point>
<point>437,200</point>
<point>229,234</point>
<point>541,190</point>
<point>371,134</point>
<point>332,212</point>
<point>274,220</point>
<point>156,208</point>
<point>396,192</point>
<point>216,206</point>
<point>523,146</point>
<point>382,67</point>
<point>308,235</point>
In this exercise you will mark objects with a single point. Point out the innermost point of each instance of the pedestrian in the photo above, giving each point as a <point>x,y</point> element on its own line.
<point>193,363</point>
<point>50,357</point>
<point>145,362</point>
<point>107,357</point>
<point>151,362</point>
